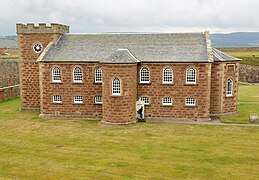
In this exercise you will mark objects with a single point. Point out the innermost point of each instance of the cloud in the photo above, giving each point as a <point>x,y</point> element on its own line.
<point>133,15</point>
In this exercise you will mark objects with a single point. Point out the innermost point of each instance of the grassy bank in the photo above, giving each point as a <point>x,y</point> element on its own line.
<point>32,148</point>
<point>249,58</point>
<point>248,103</point>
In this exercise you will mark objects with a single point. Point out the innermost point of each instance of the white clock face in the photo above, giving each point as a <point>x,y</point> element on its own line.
<point>37,47</point>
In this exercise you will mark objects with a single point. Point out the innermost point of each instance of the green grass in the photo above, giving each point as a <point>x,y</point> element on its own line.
<point>33,148</point>
<point>248,98</point>
<point>247,57</point>
<point>248,93</point>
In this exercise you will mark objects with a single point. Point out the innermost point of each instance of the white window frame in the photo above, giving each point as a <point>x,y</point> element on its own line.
<point>229,91</point>
<point>56,74</point>
<point>167,75</point>
<point>190,76</point>
<point>167,101</point>
<point>116,88</point>
<point>190,101</point>
<point>145,99</point>
<point>57,99</point>
<point>144,75</point>
<point>77,76</point>
<point>98,75</point>
<point>78,100</point>
<point>98,100</point>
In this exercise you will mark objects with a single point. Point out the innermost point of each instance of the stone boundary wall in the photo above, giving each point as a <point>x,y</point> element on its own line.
<point>9,79</point>
<point>238,49</point>
<point>248,73</point>
<point>10,92</point>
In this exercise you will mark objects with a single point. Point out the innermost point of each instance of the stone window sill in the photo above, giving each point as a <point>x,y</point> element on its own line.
<point>113,95</point>
<point>98,103</point>
<point>229,96</point>
<point>78,103</point>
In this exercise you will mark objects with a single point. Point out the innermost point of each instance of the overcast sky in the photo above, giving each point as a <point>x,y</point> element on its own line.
<point>84,16</point>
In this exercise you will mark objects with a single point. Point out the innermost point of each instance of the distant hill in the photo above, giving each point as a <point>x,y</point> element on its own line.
<point>238,39</point>
<point>8,42</point>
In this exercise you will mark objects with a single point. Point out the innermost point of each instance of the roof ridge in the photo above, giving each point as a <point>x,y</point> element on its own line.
<point>132,33</point>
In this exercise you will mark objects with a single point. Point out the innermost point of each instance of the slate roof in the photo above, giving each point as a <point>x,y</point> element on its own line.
<point>155,47</point>
<point>121,56</point>
<point>219,56</point>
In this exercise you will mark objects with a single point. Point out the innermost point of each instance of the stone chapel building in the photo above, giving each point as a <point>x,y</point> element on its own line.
<point>179,76</point>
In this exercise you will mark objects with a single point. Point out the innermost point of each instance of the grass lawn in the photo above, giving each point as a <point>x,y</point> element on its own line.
<point>32,148</point>
<point>247,57</point>
<point>247,95</point>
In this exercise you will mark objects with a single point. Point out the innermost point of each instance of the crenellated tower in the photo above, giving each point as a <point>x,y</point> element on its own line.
<point>32,41</point>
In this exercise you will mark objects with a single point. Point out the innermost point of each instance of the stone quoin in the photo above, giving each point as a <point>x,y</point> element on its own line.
<point>179,76</point>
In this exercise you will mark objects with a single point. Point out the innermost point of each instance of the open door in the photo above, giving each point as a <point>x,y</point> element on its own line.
<point>140,111</point>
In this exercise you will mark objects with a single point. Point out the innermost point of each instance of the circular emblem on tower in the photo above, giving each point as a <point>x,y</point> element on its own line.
<point>37,47</point>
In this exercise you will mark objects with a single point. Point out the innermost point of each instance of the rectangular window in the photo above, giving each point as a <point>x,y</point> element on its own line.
<point>167,101</point>
<point>78,99</point>
<point>145,99</point>
<point>57,99</point>
<point>190,102</point>
<point>230,67</point>
<point>98,100</point>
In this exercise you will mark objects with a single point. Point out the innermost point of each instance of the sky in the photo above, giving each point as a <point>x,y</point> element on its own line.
<point>95,16</point>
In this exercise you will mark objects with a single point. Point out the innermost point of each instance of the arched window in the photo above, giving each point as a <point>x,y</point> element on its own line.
<point>191,76</point>
<point>230,87</point>
<point>116,87</point>
<point>168,76</point>
<point>98,75</point>
<point>77,74</point>
<point>167,101</point>
<point>56,75</point>
<point>144,75</point>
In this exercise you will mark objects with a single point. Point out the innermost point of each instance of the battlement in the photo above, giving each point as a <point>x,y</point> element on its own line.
<point>42,28</point>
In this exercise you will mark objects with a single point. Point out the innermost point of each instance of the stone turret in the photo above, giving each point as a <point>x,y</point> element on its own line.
<point>32,41</point>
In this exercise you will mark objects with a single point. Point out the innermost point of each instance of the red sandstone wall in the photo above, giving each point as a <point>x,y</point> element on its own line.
<point>220,103</point>
<point>120,109</point>
<point>230,103</point>
<point>178,91</point>
<point>67,89</point>
<point>29,69</point>
<point>216,88</point>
